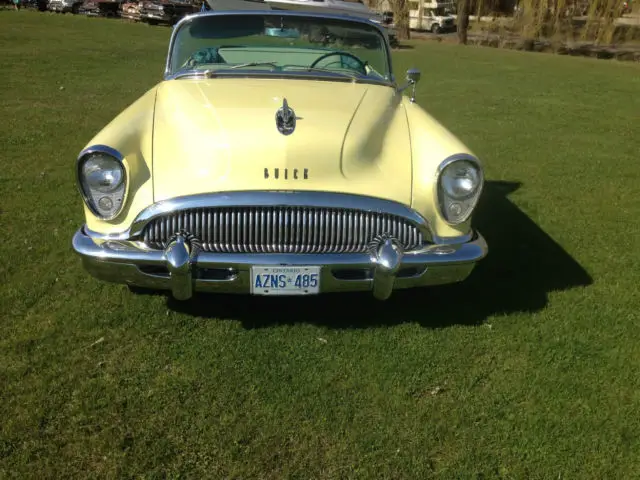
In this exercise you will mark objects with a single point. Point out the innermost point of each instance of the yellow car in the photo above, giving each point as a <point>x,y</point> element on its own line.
<point>278,157</point>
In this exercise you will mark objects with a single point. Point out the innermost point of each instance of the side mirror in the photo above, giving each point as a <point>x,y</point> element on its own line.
<point>413,76</point>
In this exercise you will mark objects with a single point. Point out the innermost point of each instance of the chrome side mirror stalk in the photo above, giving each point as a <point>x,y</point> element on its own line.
<point>413,76</point>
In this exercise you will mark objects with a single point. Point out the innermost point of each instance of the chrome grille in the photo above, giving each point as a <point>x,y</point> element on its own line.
<point>281,229</point>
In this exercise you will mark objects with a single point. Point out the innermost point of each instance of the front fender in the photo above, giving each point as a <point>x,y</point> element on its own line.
<point>431,143</point>
<point>131,133</point>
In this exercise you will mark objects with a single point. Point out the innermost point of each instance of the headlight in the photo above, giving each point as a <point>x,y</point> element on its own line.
<point>460,181</point>
<point>102,180</point>
<point>102,172</point>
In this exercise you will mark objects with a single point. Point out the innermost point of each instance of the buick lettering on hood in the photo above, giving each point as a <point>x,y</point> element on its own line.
<point>278,156</point>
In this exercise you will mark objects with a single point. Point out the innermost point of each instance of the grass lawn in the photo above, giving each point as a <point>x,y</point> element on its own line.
<point>530,369</point>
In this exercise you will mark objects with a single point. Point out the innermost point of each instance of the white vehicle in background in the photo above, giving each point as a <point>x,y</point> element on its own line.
<point>432,16</point>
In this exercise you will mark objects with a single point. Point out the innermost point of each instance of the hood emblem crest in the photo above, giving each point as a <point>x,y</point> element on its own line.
<point>285,119</point>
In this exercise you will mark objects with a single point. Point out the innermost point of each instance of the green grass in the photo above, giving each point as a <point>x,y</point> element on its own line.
<point>527,370</point>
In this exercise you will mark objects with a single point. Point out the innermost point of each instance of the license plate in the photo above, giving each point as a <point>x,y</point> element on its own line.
<point>285,280</point>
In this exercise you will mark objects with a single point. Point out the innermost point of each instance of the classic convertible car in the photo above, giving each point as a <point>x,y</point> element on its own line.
<point>278,157</point>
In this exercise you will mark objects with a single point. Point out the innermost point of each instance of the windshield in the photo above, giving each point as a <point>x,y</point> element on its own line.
<point>281,44</point>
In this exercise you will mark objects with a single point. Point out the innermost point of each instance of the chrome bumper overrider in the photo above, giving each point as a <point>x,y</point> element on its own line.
<point>182,268</point>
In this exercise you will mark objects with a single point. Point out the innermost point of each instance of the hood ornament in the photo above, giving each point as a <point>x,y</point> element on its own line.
<point>285,119</point>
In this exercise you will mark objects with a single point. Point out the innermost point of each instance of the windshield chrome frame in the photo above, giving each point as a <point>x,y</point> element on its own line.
<point>284,13</point>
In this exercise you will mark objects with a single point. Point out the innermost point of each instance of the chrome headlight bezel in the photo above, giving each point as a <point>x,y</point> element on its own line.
<point>468,203</point>
<point>117,196</point>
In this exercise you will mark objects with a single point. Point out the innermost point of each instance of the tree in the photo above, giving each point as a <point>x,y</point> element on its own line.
<point>463,20</point>
<point>400,10</point>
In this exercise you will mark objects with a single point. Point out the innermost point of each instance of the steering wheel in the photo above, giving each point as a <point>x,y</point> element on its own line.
<point>203,56</point>
<point>361,64</point>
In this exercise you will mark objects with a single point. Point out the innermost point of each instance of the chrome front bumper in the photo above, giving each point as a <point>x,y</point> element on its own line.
<point>183,270</point>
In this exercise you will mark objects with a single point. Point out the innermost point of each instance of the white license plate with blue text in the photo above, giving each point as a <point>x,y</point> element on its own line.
<point>285,280</point>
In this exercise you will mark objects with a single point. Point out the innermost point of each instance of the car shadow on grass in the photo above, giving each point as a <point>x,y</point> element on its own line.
<point>524,264</point>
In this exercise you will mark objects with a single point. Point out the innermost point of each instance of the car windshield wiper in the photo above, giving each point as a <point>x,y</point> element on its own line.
<point>254,64</point>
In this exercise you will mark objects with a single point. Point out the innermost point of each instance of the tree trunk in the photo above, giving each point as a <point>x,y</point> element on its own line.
<point>401,18</point>
<point>463,20</point>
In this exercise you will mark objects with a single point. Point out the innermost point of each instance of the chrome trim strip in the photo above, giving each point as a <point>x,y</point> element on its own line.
<point>445,163</point>
<point>102,149</point>
<point>452,240</point>
<point>279,13</point>
<point>289,75</point>
<point>127,252</point>
<point>106,236</point>
<point>436,240</point>
<point>120,158</point>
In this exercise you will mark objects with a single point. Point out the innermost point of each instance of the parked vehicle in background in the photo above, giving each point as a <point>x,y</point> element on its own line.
<point>110,8</point>
<point>131,10</point>
<point>433,16</point>
<point>40,5</point>
<point>65,6</point>
<point>166,12</point>
<point>89,8</point>
<point>101,8</point>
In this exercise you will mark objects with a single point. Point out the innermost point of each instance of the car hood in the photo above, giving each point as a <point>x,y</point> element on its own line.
<point>220,135</point>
